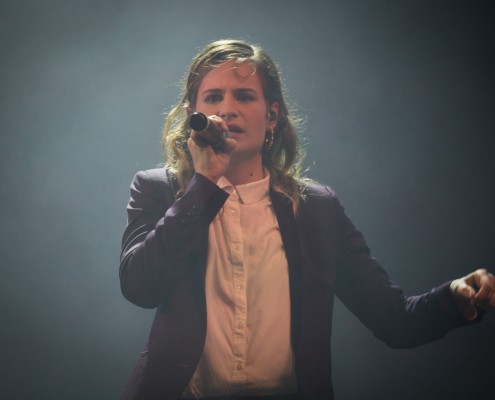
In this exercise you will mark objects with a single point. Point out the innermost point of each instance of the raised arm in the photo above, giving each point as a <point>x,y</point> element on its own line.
<point>163,234</point>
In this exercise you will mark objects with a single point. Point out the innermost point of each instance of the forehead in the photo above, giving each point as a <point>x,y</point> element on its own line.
<point>231,74</point>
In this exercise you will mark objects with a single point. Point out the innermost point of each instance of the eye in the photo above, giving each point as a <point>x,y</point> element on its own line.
<point>244,97</point>
<point>213,98</point>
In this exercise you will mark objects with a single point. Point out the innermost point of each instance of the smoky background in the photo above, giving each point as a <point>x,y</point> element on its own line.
<point>397,99</point>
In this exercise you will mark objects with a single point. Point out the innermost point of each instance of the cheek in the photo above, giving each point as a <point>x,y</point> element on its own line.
<point>258,126</point>
<point>260,116</point>
<point>204,108</point>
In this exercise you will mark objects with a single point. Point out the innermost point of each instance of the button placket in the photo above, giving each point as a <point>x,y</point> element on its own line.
<point>240,301</point>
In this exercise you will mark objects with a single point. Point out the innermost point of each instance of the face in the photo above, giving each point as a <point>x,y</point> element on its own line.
<point>234,93</point>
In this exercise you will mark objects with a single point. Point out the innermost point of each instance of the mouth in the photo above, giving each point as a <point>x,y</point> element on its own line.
<point>234,128</point>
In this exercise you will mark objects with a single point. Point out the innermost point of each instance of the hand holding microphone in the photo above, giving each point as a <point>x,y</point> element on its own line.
<point>209,132</point>
<point>210,145</point>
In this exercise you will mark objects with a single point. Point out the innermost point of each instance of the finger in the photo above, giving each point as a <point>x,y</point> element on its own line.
<point>215,118</point>
<point>219,122</point>
<point>229,145</point>
<point>198,140</point>
<point>463,290</point>
<point>464,295</point>
<point>478,278</point>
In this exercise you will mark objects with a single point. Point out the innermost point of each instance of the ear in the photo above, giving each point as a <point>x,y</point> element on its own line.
<point>189,110</point>
<point>273,115</point>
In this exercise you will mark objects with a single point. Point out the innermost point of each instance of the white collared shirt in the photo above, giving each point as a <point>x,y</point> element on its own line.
<point>248,345</point>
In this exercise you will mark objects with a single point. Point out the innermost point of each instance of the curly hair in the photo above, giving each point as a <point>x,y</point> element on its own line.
<point>283,159</point>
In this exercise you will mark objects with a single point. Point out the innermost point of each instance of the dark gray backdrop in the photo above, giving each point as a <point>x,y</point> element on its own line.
<point>398,102</point>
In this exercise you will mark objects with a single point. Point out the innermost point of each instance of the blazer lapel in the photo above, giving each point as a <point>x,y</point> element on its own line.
<point>290,238</point>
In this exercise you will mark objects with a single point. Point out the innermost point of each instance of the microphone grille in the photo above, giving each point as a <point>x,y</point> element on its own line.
<point>198,121</point>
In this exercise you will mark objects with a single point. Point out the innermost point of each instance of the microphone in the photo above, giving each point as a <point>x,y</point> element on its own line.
<point>210,132</point>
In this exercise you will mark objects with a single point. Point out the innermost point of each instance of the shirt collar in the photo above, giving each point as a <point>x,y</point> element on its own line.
<point>247,193</point>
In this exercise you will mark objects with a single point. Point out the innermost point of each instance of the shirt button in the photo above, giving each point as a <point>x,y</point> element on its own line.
<point>239,286</point>
<point>234,213</point>
<point>238,366</point>
<point>240,325</point>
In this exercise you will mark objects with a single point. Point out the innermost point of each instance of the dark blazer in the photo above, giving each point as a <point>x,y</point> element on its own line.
<point>163,263</point>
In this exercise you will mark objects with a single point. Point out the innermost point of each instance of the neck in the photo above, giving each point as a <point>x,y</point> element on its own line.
<point>242,173</point>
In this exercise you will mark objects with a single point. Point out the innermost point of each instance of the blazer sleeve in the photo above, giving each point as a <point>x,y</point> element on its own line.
<point>163,235</point>
<point>367,290</point>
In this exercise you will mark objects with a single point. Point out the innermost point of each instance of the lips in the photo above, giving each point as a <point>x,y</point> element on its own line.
<point>234,128</point>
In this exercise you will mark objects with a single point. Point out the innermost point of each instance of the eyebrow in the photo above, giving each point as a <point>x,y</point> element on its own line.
<point>218,90</point>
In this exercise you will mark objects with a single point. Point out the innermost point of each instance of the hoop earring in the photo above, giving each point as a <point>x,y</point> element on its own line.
<point>269,138</point>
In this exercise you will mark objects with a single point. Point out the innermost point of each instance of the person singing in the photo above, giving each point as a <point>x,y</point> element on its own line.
<point>242,257</point>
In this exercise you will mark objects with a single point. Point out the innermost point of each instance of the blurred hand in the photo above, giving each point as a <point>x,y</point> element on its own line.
<point>474,290</point>
<point>207,161</point>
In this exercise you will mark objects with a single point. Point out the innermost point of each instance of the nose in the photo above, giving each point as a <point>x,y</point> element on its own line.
<point>228,108</point>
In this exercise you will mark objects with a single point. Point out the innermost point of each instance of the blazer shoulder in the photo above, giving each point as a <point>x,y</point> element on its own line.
<point>311,190</point>
<point>157,175</point>
<point>159,179</point>
<point>153,188</point>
